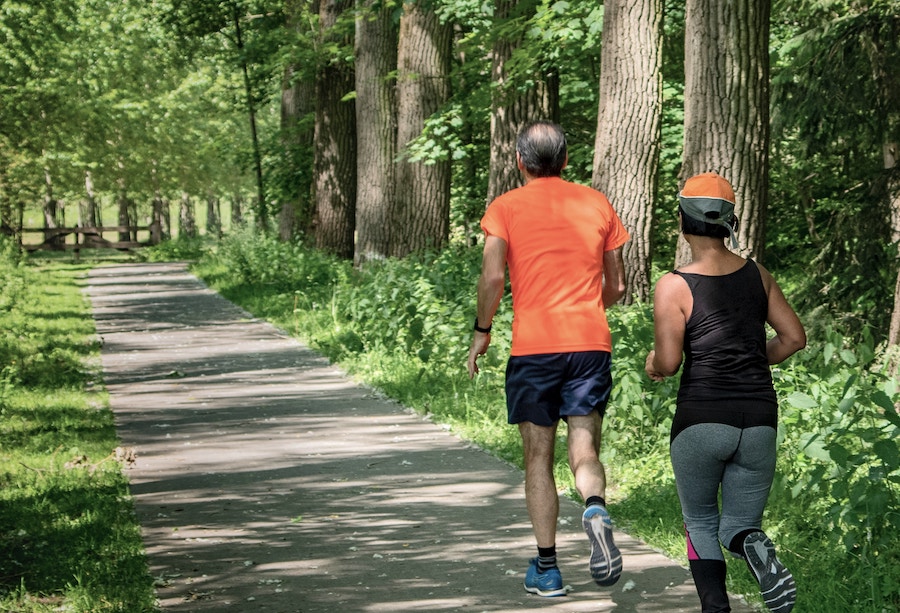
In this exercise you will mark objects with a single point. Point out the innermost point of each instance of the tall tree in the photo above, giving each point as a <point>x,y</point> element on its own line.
<point>891,157</point>
<point>297,123</point>
<point>376,128</point>
<point>524,90</point>
<point>626,151</point>
<point>335,136</point>
<point>422,218</point>
<point>726,115</point>
<point>252,32</point>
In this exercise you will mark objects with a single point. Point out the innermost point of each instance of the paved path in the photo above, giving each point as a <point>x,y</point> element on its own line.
<point>268,481</point>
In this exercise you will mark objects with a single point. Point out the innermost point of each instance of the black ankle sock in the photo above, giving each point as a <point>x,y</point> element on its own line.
<point>546,558</point>
<point>595,500</point>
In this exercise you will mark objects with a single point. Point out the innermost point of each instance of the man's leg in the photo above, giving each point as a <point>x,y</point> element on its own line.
<point>584,454</point>
<point>590,481</point>
<point>541,497</point>
<point>543,577</point>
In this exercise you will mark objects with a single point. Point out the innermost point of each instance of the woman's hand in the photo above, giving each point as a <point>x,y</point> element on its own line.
<point>651,369</point>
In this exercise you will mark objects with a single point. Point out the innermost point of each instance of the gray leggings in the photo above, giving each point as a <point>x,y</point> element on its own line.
<point>742,461</point>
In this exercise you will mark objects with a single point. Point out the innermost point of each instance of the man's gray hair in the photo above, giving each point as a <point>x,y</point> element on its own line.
<point>542,148</point>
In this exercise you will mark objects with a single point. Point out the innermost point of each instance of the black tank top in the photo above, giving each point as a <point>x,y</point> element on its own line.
<point>726,376</point>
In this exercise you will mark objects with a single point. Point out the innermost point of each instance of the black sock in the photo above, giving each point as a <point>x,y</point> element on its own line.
<point>595,500</point>
<point>546,558</point>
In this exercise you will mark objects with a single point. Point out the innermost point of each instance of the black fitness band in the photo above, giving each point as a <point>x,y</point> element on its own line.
<point>480,329</point>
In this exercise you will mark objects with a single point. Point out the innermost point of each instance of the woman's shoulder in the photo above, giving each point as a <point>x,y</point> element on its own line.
<point>670,284</point>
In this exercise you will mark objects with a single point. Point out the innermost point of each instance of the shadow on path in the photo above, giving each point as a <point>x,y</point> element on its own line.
<point>266,480</point>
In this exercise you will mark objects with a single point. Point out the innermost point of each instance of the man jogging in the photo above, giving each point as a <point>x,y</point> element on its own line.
<point>562,243</point>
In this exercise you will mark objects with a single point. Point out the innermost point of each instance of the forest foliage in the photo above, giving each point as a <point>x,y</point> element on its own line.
<point>153,99</point>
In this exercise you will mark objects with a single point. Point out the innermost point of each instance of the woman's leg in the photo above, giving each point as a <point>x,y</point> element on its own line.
<point>700,454</point>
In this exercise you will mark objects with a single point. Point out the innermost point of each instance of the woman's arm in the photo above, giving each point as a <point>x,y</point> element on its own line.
<point>672,303</point>
<point>790,337</point>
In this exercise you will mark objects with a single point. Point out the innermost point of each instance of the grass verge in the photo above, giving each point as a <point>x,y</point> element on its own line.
<point>69,538</point>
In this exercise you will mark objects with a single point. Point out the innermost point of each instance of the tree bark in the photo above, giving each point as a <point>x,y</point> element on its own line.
<point>297,104</point>
<point>626,151</point>
<point>159,220</point>
<point>91,214</point>
<point>376,128</point>
<point>51,209</point>
<point>726,114</point>
<point>187,218</point>
<point>213,216</point>
<point>335,145</point>
<point>297,111</point>
<point>422,218</point>
<point>6,209</point>
<point>891,155</point>
<point>262,213</point>
<point>237,210</point>
<point>512,106</point>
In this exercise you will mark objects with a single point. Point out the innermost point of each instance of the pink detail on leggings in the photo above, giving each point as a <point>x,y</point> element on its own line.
<point>692,555</point>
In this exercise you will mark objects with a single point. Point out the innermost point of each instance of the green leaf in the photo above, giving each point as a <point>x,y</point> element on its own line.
<point>802,401</point>
<point>887,452</point>
<point>828,352</point>
<point>839,454</point>
<point>883,400</point>
<point>848,357</point>
<point>814,447</point>
<point>846,403</point>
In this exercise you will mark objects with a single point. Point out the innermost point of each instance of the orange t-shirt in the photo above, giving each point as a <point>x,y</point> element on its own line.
<point>556,233</point>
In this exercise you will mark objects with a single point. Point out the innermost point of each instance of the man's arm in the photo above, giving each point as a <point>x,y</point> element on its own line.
<point>613,277</point>
<point>490,291</point>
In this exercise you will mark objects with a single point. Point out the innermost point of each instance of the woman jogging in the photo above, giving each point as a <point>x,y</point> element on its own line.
<point>713,312</point>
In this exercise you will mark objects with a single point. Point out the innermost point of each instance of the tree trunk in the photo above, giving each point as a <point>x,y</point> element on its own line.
<point>422,218</point>
<point>123,217</point>
<point>159,223</point>
<point>512,108</point>
<point>297,121</point>
<point>91,214</point>
<point>726,114</point>
<point>262,214</point>
<point>626,151</point>
<point>6,209</point>
<point>51,208</point>
<point>376,130</point>
<point>186,217</point>
<point>213,218</point>
<point>237,211</point>
<point>335,145</point>
<point>290,114</point>
<point>891,154</point>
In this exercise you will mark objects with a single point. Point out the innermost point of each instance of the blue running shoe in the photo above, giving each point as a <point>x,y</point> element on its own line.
<point>606,560</point>
<point>547,583</point>
<point>776,584</point>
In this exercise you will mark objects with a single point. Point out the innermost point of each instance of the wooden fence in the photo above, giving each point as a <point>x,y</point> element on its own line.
<point>90,237</point>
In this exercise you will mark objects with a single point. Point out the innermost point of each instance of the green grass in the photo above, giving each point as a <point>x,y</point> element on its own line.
<point>69,539</point>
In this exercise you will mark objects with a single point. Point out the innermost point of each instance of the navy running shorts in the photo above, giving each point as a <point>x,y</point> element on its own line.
<point>545,387</point>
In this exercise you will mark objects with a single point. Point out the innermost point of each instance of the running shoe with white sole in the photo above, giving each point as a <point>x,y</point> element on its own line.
<point>776,584</point>
<point>606,560</point>
<point>548,583</point>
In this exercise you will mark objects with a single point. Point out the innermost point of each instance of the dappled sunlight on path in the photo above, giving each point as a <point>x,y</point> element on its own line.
<point>267,480</point>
